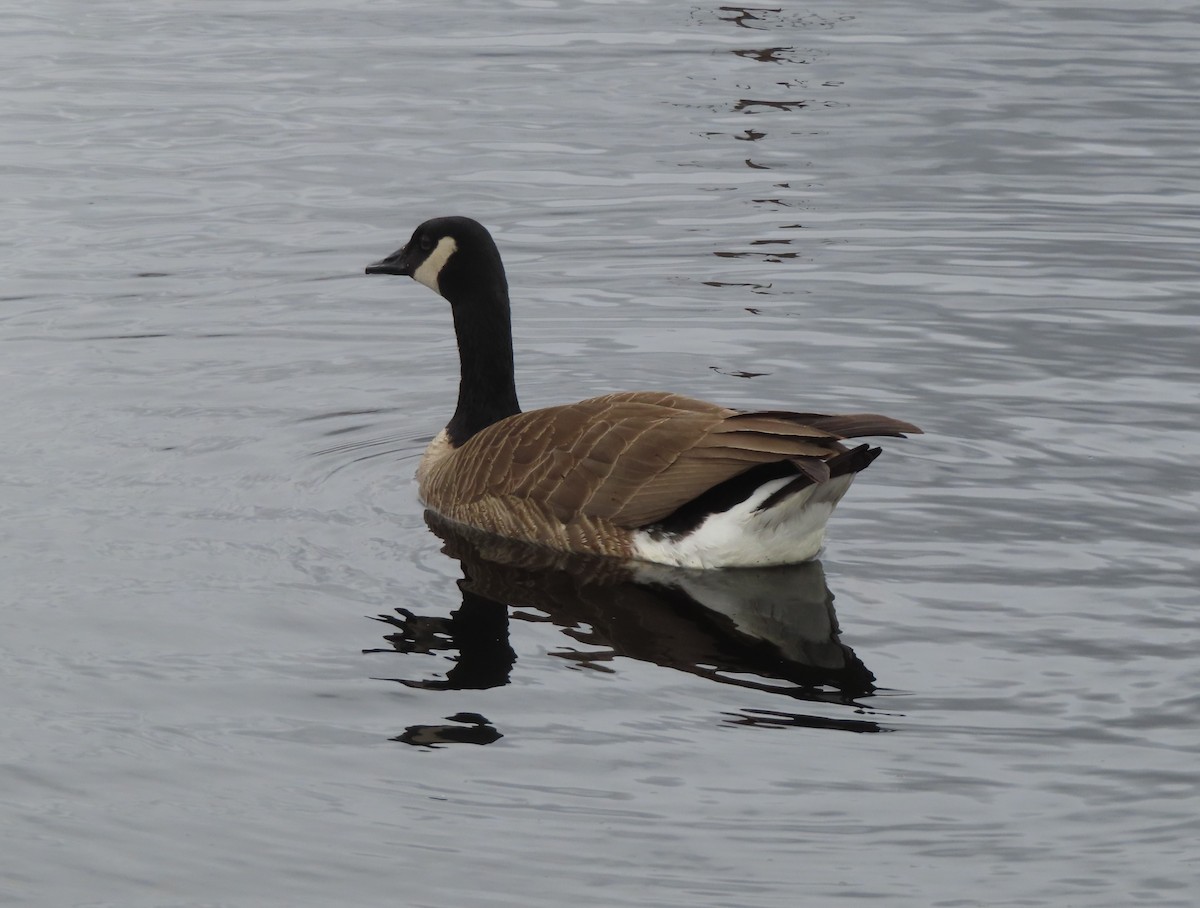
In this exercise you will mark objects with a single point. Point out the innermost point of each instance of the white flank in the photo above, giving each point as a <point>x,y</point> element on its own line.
<point>788,533</point>
<point>429,270</point>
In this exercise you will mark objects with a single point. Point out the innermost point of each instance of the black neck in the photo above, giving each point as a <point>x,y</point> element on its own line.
<point>487,389</point>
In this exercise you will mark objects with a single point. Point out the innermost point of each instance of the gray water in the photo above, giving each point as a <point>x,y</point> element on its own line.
<point>981,217</point>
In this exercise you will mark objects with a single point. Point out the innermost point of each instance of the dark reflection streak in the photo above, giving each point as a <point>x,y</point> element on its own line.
<point>767,54</point>
<point>764,256</point>
<point>745,14</point>
<point>478,630</point>
<point>771,630</point>
<point>747,103</point>
<point>346,430</point>
<point>749,135</point>
<point>751,285</point>
<point>737,373</point>
<point>762,718</point>
<point>473,730</point>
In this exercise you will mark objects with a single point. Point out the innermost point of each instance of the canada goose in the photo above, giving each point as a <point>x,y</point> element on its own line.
<point>646,475</point>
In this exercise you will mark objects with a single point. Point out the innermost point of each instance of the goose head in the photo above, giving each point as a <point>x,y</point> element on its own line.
<point>457,258</point>
<point>454,257</point>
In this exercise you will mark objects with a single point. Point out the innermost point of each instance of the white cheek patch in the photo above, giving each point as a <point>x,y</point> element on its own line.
<point>429,270</point>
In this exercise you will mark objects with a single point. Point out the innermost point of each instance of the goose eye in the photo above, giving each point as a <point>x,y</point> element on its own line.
<point>425,243</point>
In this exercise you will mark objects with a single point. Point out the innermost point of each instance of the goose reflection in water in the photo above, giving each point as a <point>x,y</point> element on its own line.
<point>771,629</point>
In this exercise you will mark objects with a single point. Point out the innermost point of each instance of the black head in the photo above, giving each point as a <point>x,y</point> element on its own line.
<point>453,256</point>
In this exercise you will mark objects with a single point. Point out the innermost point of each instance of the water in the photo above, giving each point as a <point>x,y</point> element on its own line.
<point>980,217</point>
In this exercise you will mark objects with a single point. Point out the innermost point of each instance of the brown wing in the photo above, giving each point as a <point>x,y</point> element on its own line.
<point>631,458</point>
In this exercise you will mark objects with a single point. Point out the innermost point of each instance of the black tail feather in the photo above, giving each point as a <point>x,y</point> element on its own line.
<point>853,461</point>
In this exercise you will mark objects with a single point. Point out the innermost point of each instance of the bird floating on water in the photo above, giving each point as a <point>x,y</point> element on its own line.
<point>646,475</point>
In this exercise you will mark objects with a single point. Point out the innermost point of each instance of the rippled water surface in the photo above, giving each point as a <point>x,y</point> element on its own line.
<point>237,667</point>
